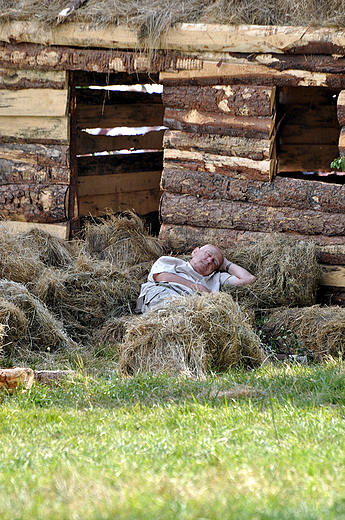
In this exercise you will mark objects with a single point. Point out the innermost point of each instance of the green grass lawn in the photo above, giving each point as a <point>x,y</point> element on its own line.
<point>264,444</point>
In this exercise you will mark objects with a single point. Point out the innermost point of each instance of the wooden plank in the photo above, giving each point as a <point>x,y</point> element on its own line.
<point>293,193</point>
<point>90,96</point>
<point>235,99</point>
<point>142,202</point>
<point>255,149</point>
<point>83,78</point>
<point>17,79</point>
<point>27,163</point>
<point>333,276</point>
<point>330,250</point>
<point>185,37</point>
<point>309,157</point>
<point>33,202</point>
<point>34,102</point>
<point>120,183</point>
<point>341,108</point>
<point>119,115</point>
<point>199,122</point>
<point>87,143</point>
<point>302,134</point>
<point>314,116</point>
<point>194,211</point>
<point>120,163</point>
<point>230,166</point>
<point>60,230</point>
<point>341,143</point>
<point>307,96</point>
<point>35,129</point>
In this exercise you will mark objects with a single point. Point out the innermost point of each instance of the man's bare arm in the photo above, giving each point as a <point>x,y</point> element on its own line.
<point>241,275</point>
<point>175,278</point>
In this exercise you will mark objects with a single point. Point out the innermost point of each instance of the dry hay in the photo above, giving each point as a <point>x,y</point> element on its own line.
<point>87,293</point>
<point>189,335</point>
<point>319,330</point>
<point>286,270</point>
<point>52,250</point>
<point>122,240</point>
<point>154,17</point>
<point>27,322</point>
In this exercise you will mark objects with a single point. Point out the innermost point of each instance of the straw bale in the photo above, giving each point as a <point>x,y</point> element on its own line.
<point>318,330</point>
<point>286,270</point>
<point>27,321</point>
<point>122,240</point>
<point>52,250</point>
<point>190,334</point>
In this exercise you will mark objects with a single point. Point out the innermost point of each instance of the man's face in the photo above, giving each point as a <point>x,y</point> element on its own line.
<point>206,259</point>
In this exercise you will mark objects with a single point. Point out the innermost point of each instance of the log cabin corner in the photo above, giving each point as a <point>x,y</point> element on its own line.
<point>235,130</point>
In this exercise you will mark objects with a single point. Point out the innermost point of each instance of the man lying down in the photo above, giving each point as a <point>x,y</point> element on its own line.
<point>207,272</point>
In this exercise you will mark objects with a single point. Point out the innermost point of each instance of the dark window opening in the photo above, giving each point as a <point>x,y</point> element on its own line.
<point>307,133</point>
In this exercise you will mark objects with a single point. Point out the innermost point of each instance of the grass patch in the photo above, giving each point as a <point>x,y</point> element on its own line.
<point>261,444</point>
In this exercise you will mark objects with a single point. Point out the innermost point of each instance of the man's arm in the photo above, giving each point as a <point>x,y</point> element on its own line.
<point>175,278</point>
<point>239,275</point>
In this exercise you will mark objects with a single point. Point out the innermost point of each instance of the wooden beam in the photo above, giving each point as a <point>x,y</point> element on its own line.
<point>60,230</point>
<point>120,183</point>
<point>35,129</point>
<point>120,163</point>
<point>189,38</point>
<point>333,276</point>
<point>200,212</point>
<point>142,202</point>
<point>87,143</point>
<point>17,79</point>
<point>34,102</point>
<point>102,97</point>
<point>110,116</point>
<point>307,157</point>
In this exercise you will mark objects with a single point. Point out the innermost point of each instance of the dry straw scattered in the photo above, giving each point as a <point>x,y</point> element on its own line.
<point>189,335</point>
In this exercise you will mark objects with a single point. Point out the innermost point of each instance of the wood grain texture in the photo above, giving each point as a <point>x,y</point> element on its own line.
<point>35,129</point>
<point>18,79</point>
<point>119,183</point>
<point>142,202</point>
<point>110,116</point>
<point>60,230</point>
<point>34,102</point>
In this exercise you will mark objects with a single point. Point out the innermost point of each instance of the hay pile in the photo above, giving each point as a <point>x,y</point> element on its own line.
<point>319,331</point>
<point>286,270</point>
<point>190,335</point>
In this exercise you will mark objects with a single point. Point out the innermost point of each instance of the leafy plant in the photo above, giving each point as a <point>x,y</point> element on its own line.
<point>338,164</point>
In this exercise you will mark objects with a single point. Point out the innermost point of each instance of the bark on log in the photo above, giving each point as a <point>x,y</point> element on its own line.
<point>189,210</point>
<point>23,79</point>
<point>233,99</point>
<point>314,62</point>
<point>52,376</point>
<point>329,250</point>
<point>16,378</point>
<point>33,203</point>
<point>341,108</point>
<point>210,122</point>
<point>33,163</point>
<point>255,149</point>
<point>238,167</point>
<point>294,193</point>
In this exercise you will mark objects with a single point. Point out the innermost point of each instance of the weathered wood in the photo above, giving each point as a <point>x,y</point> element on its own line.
<point>15,79</point>
<point>142,202</point>
<point>308,96</point>
<point>308,157</point>
<point>341,143</point>
<point>87,143</point>
<point>329,250</point>
<point>294,193</point>
<point>303,134</point>
<point>49,377</point>
<point>333,276</point>
<point>120,183</point>
<point>16,378</point>
<point>185,37</point>
<point>60,230</point>
<point>314,116</point>
<point>230,166</point>
<point>84,78</point>
<point>341,108</point>
<point>34,102</point>
<point>255,149</point>
<point>35,129</point>
<point>209,122</point>
<point>189,210</point>
<point>31,202</point>
<point>120,163</point>
<point>33,163</point>
<point>103,97</point>
<point>110,116</point>
<point>233,99</point>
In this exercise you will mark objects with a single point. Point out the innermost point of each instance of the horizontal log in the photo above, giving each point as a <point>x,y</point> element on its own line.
<point>233,99</point>
<point>99,116</point>
<point>119,163</point>
<point>209,122</point>
<point>341,143</point>
<point>90,96</point>
<point>118,183</point>
<point>48,377</point>
<point>87,143</point>
<point>333,276</point>
<point>329,250</point>
<point>293,193</point>
<point>255,149</point>
<point>142,202</point>
<point>16,378</point>
<point>34,102</point>
<point>341,108</point>
<point>193,211</point>
<point>33,203</point>
<point>60,230</point>
<point>308,157</point>
<point>35,129</point>
<point>303,134</point>
<point>33,163</point>
<point>230,166</point>
<point>17,79</point>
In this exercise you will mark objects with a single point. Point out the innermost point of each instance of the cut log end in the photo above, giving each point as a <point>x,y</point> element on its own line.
<point>16,378</point>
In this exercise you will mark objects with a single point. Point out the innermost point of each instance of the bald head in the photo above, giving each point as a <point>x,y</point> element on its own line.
<point>206,259</point>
